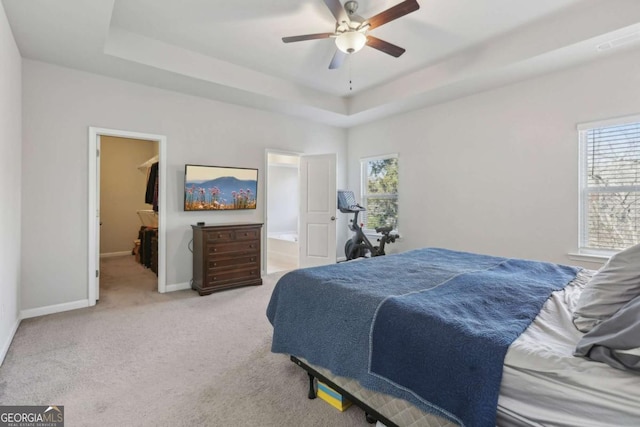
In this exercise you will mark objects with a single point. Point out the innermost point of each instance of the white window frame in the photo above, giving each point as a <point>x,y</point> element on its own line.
<point>583,212</point>
<point>363,188</point>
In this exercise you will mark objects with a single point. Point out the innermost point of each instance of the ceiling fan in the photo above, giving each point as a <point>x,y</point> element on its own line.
<point>351,31</point>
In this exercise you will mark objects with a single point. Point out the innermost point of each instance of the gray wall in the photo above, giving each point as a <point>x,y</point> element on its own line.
<point>10,182</point>
<point>497,172</point>
<point>59,106</point>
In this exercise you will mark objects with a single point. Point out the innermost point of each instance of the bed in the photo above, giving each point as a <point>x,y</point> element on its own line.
<point>417,340</point>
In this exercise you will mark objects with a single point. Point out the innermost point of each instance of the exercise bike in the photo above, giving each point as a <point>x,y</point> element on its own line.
<point>359,245</point>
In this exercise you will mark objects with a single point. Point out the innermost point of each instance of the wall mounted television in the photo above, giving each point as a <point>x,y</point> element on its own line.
<point>212,188</point>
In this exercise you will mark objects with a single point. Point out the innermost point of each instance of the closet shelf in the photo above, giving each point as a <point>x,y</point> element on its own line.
<point>146,165</point>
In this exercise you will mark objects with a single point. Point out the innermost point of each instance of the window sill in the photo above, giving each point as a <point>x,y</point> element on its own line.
<point>596,258</point>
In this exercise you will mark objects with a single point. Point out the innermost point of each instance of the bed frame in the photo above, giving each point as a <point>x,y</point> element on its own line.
<point>372,416</point>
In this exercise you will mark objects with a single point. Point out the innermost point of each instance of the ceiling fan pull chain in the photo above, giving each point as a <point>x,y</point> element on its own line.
<point>350,85</point>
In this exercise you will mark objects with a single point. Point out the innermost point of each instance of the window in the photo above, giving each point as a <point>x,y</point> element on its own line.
<point>380,191</point>
<point>610,185</point>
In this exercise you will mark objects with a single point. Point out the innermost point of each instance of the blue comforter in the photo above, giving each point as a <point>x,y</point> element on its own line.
<point>430,326</point>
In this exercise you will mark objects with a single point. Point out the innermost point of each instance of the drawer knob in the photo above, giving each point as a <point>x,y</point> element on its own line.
<point>250,246</point>
<point>214,277</point>
<point>215,263</point>
<point>253,259</point>
<point>215,250</point>
<point>219,236</point>
<point>246,234</point>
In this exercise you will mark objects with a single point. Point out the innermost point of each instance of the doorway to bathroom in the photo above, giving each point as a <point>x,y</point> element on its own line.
<point>283,206</point>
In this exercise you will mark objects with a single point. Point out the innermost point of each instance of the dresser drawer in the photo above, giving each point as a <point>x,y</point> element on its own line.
<point>249,234</point>
<point>247,261</point>
<point>245,247</point>
<point>231,235</point>
<point>215,279</point>
<point>219,235</point>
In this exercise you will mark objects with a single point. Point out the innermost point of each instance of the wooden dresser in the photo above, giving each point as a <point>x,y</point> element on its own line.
<point>225,256</point>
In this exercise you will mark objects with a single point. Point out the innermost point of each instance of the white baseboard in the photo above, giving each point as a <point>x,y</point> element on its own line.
<point>51,309</point>
<point>58,308</point>
<point>178,287</point>
<point>115,254</point>
<point>7,343</point>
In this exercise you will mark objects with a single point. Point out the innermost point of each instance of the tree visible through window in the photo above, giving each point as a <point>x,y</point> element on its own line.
<point>610,182</point>
<point>380,191</point>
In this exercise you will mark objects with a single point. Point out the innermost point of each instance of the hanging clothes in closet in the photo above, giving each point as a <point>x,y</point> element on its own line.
<point>148,234</point>
<point>151,195</point>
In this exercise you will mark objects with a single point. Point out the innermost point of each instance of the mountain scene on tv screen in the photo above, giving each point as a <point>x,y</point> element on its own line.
<point>222,193</point>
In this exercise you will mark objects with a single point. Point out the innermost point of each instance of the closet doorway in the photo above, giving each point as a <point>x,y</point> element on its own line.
<point>126,205</point>
<point>128,218</point>
<point>283,200</point>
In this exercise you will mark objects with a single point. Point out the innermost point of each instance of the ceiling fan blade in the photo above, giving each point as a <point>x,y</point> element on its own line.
<point>383,46</point>
<point>337,10</point>
<point>392,13</point>
<point>306,37</point>
<point>337,60</point>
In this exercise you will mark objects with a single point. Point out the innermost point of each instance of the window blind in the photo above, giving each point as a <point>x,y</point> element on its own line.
<point>611,197</point>
<point>380,191</point>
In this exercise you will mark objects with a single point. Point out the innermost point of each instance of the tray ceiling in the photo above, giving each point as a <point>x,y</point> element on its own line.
<point>233,52</point>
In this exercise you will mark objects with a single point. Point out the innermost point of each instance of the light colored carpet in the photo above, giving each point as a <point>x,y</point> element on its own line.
<point>140,358</point>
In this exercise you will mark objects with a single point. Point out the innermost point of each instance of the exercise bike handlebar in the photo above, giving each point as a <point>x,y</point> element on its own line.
<point>384,230</point>
<point>352,209</point>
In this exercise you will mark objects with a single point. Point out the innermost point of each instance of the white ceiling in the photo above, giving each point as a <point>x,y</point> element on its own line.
<point>232,50</point>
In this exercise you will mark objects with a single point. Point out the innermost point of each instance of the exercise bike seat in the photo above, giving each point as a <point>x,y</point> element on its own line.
<point>384,230</point>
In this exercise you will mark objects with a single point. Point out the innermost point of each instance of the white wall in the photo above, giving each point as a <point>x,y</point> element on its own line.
<point>60,104</point>
<point>10,182</point>
<point>497,172</point>
<point>283,198</point>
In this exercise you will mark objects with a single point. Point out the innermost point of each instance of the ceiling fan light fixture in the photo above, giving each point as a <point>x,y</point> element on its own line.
<point>351,41</point>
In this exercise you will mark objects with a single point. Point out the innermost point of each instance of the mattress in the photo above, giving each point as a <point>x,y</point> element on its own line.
<point>543,383</point>
<point>398,411</point>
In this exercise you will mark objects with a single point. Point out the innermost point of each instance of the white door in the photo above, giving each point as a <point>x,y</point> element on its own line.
<point>318,203</point>
<point>98,223</point>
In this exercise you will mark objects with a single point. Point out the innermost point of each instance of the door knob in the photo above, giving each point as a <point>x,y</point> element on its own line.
<point>333,218</point>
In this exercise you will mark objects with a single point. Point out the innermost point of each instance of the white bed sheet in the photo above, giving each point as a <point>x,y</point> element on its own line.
<point>543,384</point>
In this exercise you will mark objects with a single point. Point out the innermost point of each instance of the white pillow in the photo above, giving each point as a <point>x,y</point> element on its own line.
<point>613,286</point>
